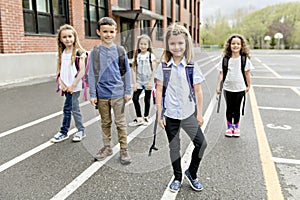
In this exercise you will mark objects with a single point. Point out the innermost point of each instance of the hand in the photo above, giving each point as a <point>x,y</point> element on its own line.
<point>149,86</point>
<point>134,87</point>
<point>93,101</point>
<point>200,120</point>
<point>218,91</point>
<point>162,123</point>
<point>247,89</point>
<point>70,89</point>
<point>127,97</point>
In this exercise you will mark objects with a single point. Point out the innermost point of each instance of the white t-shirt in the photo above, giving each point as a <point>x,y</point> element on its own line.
<point>234,81</point>
<point>68,71</point>
<point>143,69</point>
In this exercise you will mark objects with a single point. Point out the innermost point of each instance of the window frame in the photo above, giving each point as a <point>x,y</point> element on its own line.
<point>33,18</point>
<point>87,17</point>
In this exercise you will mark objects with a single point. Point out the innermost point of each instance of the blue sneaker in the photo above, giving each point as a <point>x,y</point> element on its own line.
<point>79,136</point>
<point>59,137</point>
<point>175,186</point>
<point>194,183</point>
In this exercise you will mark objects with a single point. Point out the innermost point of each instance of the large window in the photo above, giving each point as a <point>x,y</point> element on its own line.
<point>125,4</point>
<point>145,27</point>
<point>44,16</point>
<point>159,32</point>
<point>177,8</point>
<point>93,11</point>
<point>158,7</point>
<point>145,4</point>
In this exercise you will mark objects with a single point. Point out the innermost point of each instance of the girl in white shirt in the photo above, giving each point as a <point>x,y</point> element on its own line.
<point>237,80</point>
<point>69,79</point>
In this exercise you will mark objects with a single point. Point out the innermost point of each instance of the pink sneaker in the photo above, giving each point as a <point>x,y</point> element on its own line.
<point>229,132</point>
<point>236,133</point>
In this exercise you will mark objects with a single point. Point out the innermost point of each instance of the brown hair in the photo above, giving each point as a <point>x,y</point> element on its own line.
<point>244,49</point>
<point>176,29</point>
<point>138,50</point>
<point>61,46</point>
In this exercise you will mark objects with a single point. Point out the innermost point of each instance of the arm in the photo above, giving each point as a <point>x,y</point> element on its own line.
<point>134,77</point>
<point>247,74</point>
<point>220,78</point>
<point>79,75</point>
<point>152,75</point>
<point>127,95</point>
<point>199,100</point>
<point>158,100</point>
<point>91,80</point>
<point>62,85</point>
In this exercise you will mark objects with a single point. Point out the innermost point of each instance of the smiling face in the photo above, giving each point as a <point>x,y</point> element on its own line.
<point>177,46</point>
<point>236,45</point>
<point>107,34</point>
<point>67,38</point>
<point>143,45</point>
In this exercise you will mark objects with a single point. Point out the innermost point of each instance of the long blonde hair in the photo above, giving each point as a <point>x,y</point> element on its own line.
<point>138,50</point>
<point>61,47</point>
<point>177,29</point>
<point>244,49</point>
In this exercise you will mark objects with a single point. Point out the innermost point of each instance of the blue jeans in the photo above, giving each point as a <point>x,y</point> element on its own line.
<point>71,105</point>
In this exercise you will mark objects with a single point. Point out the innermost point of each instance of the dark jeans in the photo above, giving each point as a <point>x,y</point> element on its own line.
<point>71,105</point>
<point>147,98</point>
<point>192,128</point>
<point>233,105</point>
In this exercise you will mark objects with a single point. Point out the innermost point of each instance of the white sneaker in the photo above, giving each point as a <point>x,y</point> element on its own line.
<point>147,121</point>
<point>79,136</point>
<point>137,122</point>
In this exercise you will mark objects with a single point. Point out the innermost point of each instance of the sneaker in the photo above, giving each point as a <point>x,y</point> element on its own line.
<point>137,122</point>
<point>79,136</point>
<point>125,158</point>
<point>103,153</point>
<point>194,183</point>
<point>147,121</point>
<point>59,137</point>
<point>236,133</point>
<point>175,186</point>
<point>229,132</point>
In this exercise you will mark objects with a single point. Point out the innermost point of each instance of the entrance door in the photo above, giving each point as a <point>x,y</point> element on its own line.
<point>127,35</point>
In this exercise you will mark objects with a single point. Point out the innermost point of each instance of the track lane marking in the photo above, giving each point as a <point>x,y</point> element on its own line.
<point>272,183</point>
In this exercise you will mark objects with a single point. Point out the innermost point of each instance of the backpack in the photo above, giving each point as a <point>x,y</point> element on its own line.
<point>85,83</point>
<point>243,65</point>
<point>189,71</point>
<point>225,67</point>
<point>96,61</point>
<point>84,78</point>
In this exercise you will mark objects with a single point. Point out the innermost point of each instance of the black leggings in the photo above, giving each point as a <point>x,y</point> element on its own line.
<point>233,105</point>
<point>147,98</point>
<point>192,128</point>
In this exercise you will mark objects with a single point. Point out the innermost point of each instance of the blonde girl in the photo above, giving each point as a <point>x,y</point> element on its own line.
<point>143,70</point>
<point>237,81</point>
<point>69,80</point>
<point>179,108</point>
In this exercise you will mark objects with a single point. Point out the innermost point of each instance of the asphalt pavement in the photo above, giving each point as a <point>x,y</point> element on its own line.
<point>263,163</point>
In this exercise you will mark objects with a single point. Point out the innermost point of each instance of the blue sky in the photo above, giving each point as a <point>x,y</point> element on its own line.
<point>209,7</point>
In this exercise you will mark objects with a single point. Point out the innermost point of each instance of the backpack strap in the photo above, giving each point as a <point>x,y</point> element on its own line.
<point>121,52</point>
<point>225,61</point>
<point>243,65</point>
<point>189,71</point>
<point>150,61</point>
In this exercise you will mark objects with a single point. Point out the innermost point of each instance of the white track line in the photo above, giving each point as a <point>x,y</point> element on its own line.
<point>271,70</point>
<point>285,161</point>
<point>36,122</point>
<point>40,148</point>
<point>276,108</point>
<point>86,174</point>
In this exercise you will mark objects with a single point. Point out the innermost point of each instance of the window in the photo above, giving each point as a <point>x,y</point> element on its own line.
<point>44,16</point>
<point>125,4</point>
<point>159,32</point>
<point>145,4</point>
<point>93,11</point>
<point>177,8</point>
<point>145,27</point>
<point>158,7</point>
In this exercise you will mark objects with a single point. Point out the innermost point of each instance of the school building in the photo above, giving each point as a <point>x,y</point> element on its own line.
<point>28,29</point>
